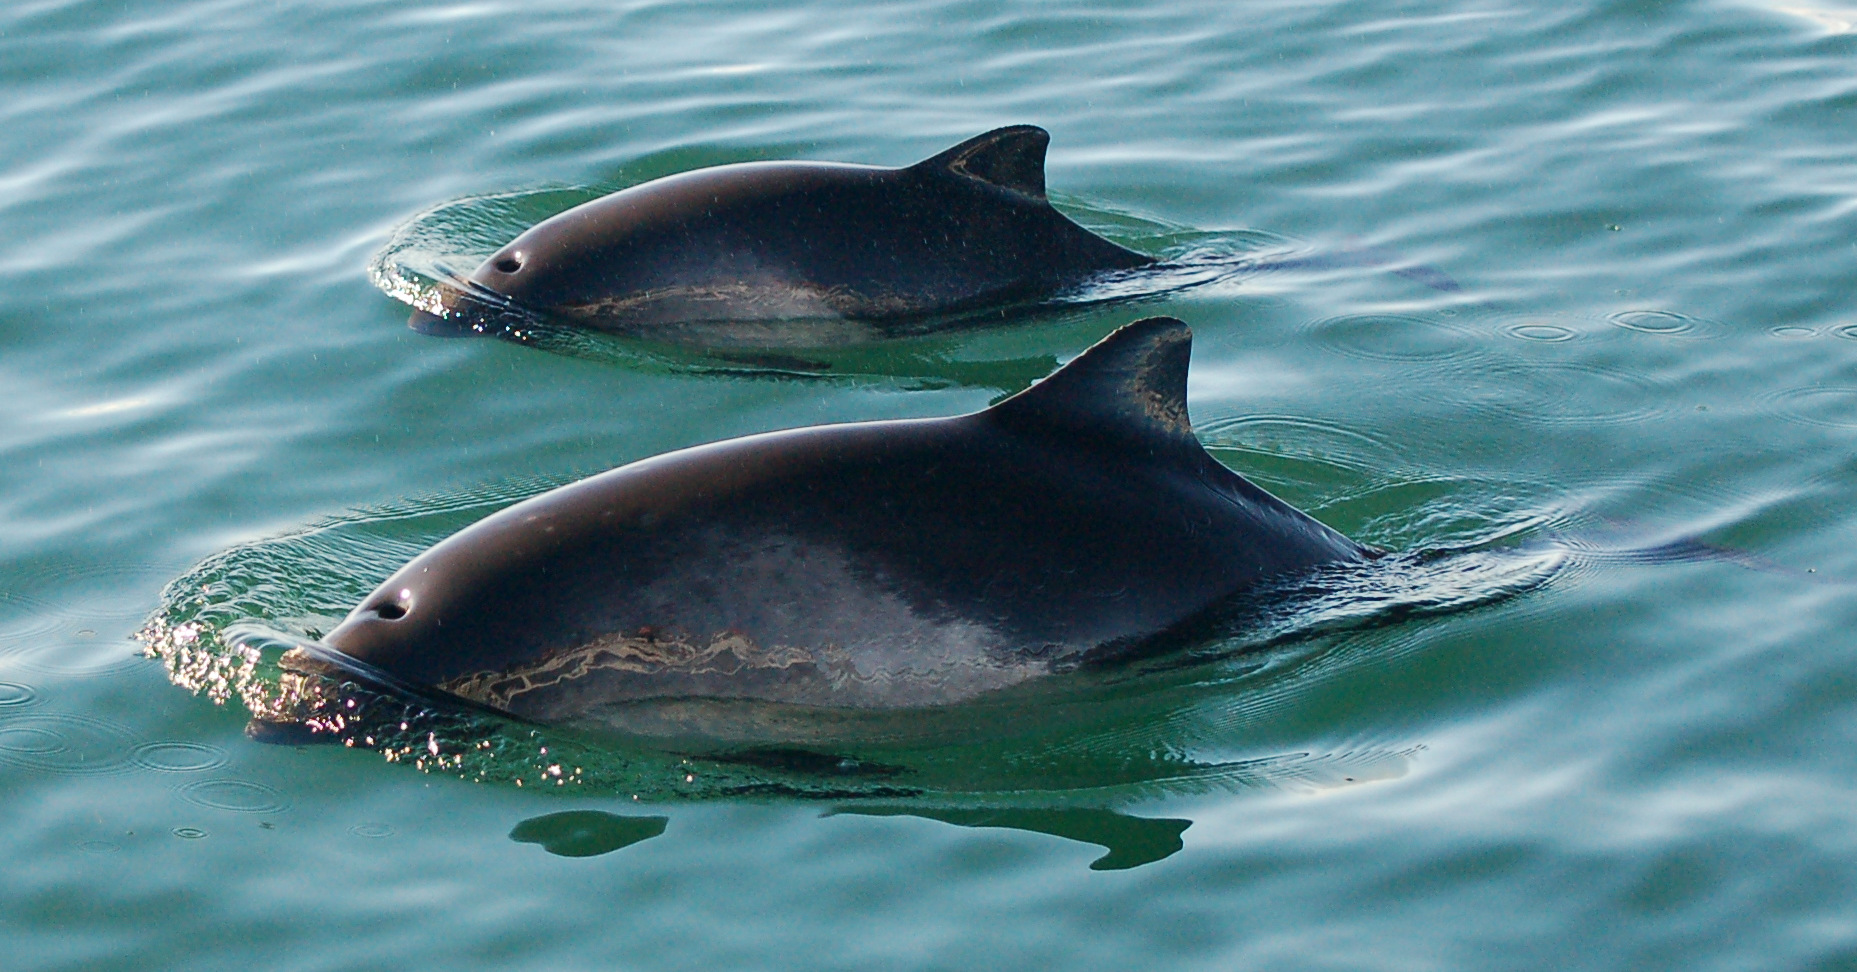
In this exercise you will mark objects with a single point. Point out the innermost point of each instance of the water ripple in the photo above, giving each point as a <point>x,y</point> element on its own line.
<point>1662,323</point>
<point>1539,331</point>
<point>61,743</point>
<point>1298,436</point>
<point>241,796</point>
<point>1393,337</point>
<point>1562,395</point>
<point>178,757</point>
<point>1831,407</point>
<point>68,659</point>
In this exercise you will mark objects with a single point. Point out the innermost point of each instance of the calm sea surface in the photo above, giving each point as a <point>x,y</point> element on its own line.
<point>1574,285</point>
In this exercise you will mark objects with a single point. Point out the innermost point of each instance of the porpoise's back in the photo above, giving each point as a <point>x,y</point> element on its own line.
<point>764,242</point>
<point>873,565</point>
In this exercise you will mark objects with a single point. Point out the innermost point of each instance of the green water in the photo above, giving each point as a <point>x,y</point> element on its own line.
<point>1623,761</point>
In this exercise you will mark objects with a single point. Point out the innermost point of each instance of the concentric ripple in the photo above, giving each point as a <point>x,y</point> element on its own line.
<point>1658,322</point>
<point>1297,436</point>
<point>1831,407</point>
<point>54,742</point>
<point>1539,331</point>
<point>178,757</point>
<point>84,658</point>
<point>240,796</point>
<point>14,695</point>
<point>1558,394</point>
<point>1392,337</point>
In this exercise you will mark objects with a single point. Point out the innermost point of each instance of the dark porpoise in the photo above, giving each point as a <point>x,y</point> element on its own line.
<point>872,565</point>
<point>793,253</point>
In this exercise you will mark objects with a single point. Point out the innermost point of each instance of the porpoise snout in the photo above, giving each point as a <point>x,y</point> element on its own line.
<point>436,326</point>
<point>466,308</point>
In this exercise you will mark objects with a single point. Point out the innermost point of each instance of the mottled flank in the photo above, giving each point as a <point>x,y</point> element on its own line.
<point>728,665</point>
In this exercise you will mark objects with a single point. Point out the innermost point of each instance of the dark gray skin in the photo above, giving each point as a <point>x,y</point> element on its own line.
<point>875,565</point>
<point>773,254</point>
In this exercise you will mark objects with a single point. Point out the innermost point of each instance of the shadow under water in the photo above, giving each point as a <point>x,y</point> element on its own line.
<point>586,833</point>
<point>1129,841</point>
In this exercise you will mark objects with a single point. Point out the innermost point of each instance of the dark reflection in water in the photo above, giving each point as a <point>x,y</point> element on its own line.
<point>1130,841</point>
<point>586,833</point>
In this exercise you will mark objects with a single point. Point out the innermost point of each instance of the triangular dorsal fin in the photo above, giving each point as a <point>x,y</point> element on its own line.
<point>1127,391</point>
<point>1012,158</point>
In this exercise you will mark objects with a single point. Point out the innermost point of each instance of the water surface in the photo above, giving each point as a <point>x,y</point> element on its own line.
<point>1633,761</point>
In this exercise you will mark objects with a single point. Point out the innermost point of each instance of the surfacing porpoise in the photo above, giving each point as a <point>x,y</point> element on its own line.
<point>871,565</point>
<point>773,254</point>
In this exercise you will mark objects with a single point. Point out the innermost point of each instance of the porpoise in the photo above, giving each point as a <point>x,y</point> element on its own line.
<point>772,254</point>
<point>870,565</point>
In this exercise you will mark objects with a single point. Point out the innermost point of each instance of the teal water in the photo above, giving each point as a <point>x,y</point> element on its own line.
<point>1626,761</point>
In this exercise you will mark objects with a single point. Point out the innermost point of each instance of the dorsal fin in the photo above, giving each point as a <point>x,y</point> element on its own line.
<point>1126,391</point>
<point>1012,158</point>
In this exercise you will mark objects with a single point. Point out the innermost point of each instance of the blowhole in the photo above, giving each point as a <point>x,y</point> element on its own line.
<point>390,612</point>
<point>509,264</point>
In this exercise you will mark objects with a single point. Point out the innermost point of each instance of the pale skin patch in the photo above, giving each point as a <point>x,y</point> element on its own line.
<point>731,665</point>
<point>725,654</point>
<point>764,313</point>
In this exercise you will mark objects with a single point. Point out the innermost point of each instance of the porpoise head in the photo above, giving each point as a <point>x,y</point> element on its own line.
<point>626,244</point>
<point>401,623</point>
<point>432,620</point>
